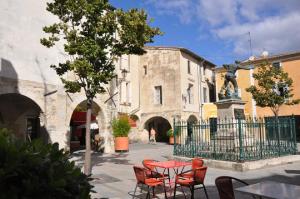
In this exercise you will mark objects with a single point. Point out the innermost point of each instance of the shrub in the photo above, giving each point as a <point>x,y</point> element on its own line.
<point>38,170</point>
<point>170,133</point>
<point>121,127</point>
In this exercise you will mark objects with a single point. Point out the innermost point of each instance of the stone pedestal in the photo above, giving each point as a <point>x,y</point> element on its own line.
<point>231,109</point>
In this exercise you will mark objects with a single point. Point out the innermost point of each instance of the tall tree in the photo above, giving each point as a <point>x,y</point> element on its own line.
<point>273,89</point>
<point>95,35</point>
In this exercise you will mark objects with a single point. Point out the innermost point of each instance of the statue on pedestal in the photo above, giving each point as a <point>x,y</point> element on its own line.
<point>230,77</point>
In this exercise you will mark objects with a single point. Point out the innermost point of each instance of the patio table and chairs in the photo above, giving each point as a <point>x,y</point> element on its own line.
<point>159,173</point>
<point>171,164</point>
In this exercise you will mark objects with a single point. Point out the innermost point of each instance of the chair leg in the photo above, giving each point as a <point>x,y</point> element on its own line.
<point>175,191</point>
<point>205,191</point>
<point>192,192</point>
<point>148,193</point>
<point>153,193</point>
<point>183,192</point>
<point>135,191</point>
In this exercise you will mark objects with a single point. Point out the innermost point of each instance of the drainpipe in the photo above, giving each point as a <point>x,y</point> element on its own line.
<point>200,90</point>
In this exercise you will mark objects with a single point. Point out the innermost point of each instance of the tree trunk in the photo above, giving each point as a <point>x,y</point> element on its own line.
<point>87,158</point>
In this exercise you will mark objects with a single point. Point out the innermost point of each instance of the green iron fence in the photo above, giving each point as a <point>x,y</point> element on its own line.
<point>236,139</point>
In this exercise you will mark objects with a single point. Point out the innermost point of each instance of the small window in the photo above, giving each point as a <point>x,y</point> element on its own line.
<point>157,95</point>
<point>190,92</point>
<point>145,70</point>
<point>204,70</point>
<point>204,95</point>
<point>189,66</point>
<point>276,65</point>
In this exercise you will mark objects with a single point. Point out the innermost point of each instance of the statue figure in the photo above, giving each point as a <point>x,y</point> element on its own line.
<point>225,92</point>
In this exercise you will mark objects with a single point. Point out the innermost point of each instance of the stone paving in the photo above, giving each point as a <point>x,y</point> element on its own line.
<point>114,176</point>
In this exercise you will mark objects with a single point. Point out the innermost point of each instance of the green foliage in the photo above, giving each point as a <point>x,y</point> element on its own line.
<point>121,127</point>
<point>170,133</point>
<point>274,88</point>
<point>36,170</point>
<point>134,117</point>
<point>95,34</point>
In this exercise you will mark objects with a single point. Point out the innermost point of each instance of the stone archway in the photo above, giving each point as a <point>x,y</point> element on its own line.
<point>190,121</point>
<point>22,115</point>
<point>78,122</point>
<point>161,126</point>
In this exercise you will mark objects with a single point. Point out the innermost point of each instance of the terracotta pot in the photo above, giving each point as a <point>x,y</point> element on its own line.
<point>121,144</point>
<point>171,140</point>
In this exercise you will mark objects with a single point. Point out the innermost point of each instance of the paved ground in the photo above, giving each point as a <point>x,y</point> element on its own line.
<point>115,177</point>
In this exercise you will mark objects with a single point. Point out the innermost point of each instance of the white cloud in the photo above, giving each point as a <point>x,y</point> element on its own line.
<point>217,12</point>
<point>274,24</point>
<point>274,34</point>
<point>183,9</point>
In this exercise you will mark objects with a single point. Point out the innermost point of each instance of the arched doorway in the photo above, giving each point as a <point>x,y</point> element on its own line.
<point>190,122</point>
<point>78,125</point>
<point>161,126</point>
<point>21,115</point>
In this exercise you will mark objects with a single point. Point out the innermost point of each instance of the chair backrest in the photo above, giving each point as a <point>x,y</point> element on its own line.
<point>146,164</point>
<point>225,186</point>
<point>197,163</point>
<point>139,174</point>
<point>199,175</point>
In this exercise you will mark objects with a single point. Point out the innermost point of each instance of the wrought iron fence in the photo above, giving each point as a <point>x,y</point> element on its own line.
<point>236,139</point>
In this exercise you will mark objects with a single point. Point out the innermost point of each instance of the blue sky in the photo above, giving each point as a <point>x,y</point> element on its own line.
<point>218,30</point>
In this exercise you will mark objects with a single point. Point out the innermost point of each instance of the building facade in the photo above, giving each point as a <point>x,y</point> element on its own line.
<point>33,101</point>
<point>289,62</point>
<point>164,84</point>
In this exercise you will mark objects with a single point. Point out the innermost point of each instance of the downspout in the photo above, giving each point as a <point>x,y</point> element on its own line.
<point>200,90</point>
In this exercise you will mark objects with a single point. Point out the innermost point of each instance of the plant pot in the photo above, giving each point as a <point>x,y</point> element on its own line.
<point>121,144</point>
<point>171,140</point>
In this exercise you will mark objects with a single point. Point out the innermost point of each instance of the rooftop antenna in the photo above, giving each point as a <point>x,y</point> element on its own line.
<point>250,44</point>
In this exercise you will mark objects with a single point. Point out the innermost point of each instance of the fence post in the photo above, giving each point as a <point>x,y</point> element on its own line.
<point>241,157</point>
<point>294,135</point>
<point>277,127</point>
<point>259,122</point>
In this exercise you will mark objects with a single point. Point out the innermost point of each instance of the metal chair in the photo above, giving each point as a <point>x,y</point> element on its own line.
<point>192,182</point>
<point>196,163</point>
<point>142,179</point>
<point>225,186</point>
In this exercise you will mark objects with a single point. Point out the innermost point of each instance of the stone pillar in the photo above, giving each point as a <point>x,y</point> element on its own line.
<point>231,109</point>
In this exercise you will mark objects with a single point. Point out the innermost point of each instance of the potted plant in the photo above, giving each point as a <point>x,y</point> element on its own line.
<point>170,134</point>
<point>121,128</point>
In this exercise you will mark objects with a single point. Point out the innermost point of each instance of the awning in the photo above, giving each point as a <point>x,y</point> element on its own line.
<point>93,126</point>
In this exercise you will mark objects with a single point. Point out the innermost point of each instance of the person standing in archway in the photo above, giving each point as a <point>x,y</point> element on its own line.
<point>152,136</point>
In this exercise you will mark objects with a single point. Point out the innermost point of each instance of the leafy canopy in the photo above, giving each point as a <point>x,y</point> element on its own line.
<point>95,34</point>
<point>273,89</point>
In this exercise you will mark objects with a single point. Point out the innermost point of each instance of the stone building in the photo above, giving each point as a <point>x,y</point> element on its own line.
<point>164,84</point>
<point>33,102</point>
